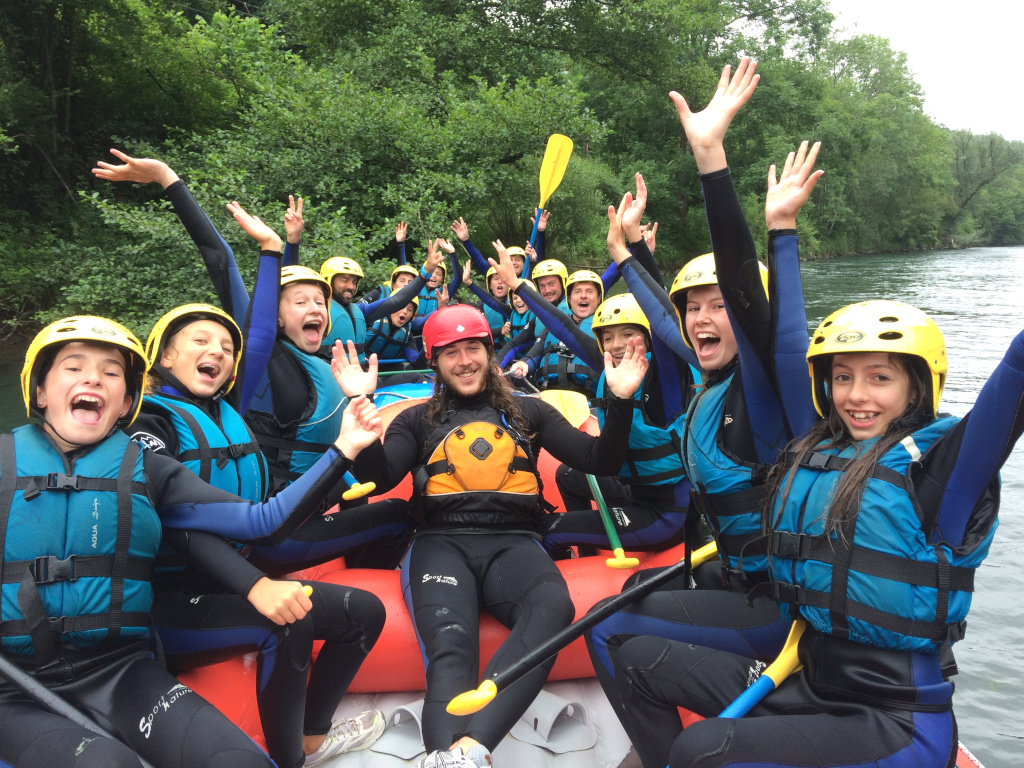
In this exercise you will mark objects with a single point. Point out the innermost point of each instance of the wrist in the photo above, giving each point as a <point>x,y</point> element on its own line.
<point>271,244</point>
<point>786,223</point>
<point>294,239</point>
<point>167,177</point>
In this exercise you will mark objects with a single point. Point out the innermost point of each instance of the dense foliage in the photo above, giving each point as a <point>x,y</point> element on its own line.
<point>426,110</point>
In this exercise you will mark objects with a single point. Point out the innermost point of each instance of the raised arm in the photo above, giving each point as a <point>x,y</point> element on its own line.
<point>260,326</point>
<point>461,230</point>
<point>401,230</point>
<point>216,253</point>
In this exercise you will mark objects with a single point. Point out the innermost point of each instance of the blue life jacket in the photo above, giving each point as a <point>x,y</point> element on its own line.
<point>428,301</point>
<point>387,340</point>
<point>654,456</point>
<point>496,321</point>
<point>347,324</point>
<point>559,368</point>
<point>301,443</point>
<point>881,583</point>
<point>224,453</point>
<point>726,490</point>
<point>518,322</point>
<point>77,543</point>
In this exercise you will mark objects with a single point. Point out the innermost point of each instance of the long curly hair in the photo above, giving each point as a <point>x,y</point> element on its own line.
<point>499,396</point>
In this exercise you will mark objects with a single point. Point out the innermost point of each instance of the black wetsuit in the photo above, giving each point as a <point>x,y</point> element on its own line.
<point>453,569</point>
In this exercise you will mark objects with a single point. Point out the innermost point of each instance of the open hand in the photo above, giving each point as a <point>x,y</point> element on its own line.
<point>348,372</point>
<point>624,379</point>
<point>461,229</point>
<point>634,211</point>
<point>434,257</point>
<point>255,227</point>
<point>503,266</point>
<point>616,245</point>
<point>361,426</point>
<point>401,230</point>
<point>467,272</point>
<point>787,195</point>
<point>139,169</point>
<point>705,130</point>
<point>649,232</point>
<point>543,219</point>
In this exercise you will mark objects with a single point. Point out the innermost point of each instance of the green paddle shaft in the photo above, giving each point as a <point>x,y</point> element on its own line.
<point>606,516</point>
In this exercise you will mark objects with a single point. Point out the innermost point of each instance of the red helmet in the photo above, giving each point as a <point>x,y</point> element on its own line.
<point>455,323</point>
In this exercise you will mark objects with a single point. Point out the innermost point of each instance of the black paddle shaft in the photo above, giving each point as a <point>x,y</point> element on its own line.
<point>557,642</point>
<point>39,693</point>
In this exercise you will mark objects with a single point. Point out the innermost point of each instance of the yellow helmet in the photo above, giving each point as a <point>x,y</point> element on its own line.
<point>877,326</point>
<point>403,269</point>
<point>584,276</point>
<point>621,309</point>
<point>297,274</point>
<point>551,268</point>
<point>522,283</point>
<point>178,318</point>
<point>515,250</point>
<point>340,265</point>
<point>98,330</point>
<point>696,273</point>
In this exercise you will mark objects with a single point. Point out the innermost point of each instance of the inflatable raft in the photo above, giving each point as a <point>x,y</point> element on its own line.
<point>577,731</point>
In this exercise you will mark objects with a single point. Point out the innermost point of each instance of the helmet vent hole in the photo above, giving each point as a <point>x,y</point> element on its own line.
<point>819,340</point>
<point>890,336</point>
<point>888,319</point>
<point>617,311</point>
<point>826,324</point>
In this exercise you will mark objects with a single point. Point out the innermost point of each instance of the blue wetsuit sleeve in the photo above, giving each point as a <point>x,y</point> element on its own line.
<point>657,306</point>
<point>259,331</point>
<point>290,257</point>
<point>453,286</point>
<point>992,429</point>
<point>490,301</point>
<point>643,255</point>
<point>216,253</point>
<point>523,340</point>
<point>182,502</point>
<point>401,254</point>
<point>478,259</point>
<point>610,276</point>
<point>790,339</point>
<point>559,325</point>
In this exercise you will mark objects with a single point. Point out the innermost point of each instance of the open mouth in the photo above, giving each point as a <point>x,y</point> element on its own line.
<point>87,408</point>
<point>707,343</point>
<point>311,331</point>
<point>208,371</point>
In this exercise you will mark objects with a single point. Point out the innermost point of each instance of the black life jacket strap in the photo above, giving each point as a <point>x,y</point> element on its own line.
<point>827,462</point>
<point>49,569</point>
<point>58,481</point>
<point>801,546</point>
<point>714,507</point>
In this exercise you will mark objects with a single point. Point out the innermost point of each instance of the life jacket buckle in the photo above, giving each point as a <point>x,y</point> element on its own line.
<point>58,481</point>
<point>48,569</point>
<point>818,460</point>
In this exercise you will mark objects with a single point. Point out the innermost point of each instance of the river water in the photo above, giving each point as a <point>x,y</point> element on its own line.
<point>977,298</point>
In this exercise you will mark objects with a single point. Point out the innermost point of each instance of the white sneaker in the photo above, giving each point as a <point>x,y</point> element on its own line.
<point>349,735</point>
<point>443,758</point>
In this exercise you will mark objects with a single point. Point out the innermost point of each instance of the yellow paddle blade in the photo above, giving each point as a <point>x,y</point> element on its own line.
<point>572,405</point>
<point>552,168</point>
<point>308,590</point>
<point>705,553</point>
<point>787,661</point>
<point>473,701</point>
<point>359,490</point>
<point>621,562</point>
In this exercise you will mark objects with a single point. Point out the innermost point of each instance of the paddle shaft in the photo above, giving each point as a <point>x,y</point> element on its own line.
<point>557,642</point>
<point>39,693</point>
<point>606,516</point>
<point>536,222</point>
